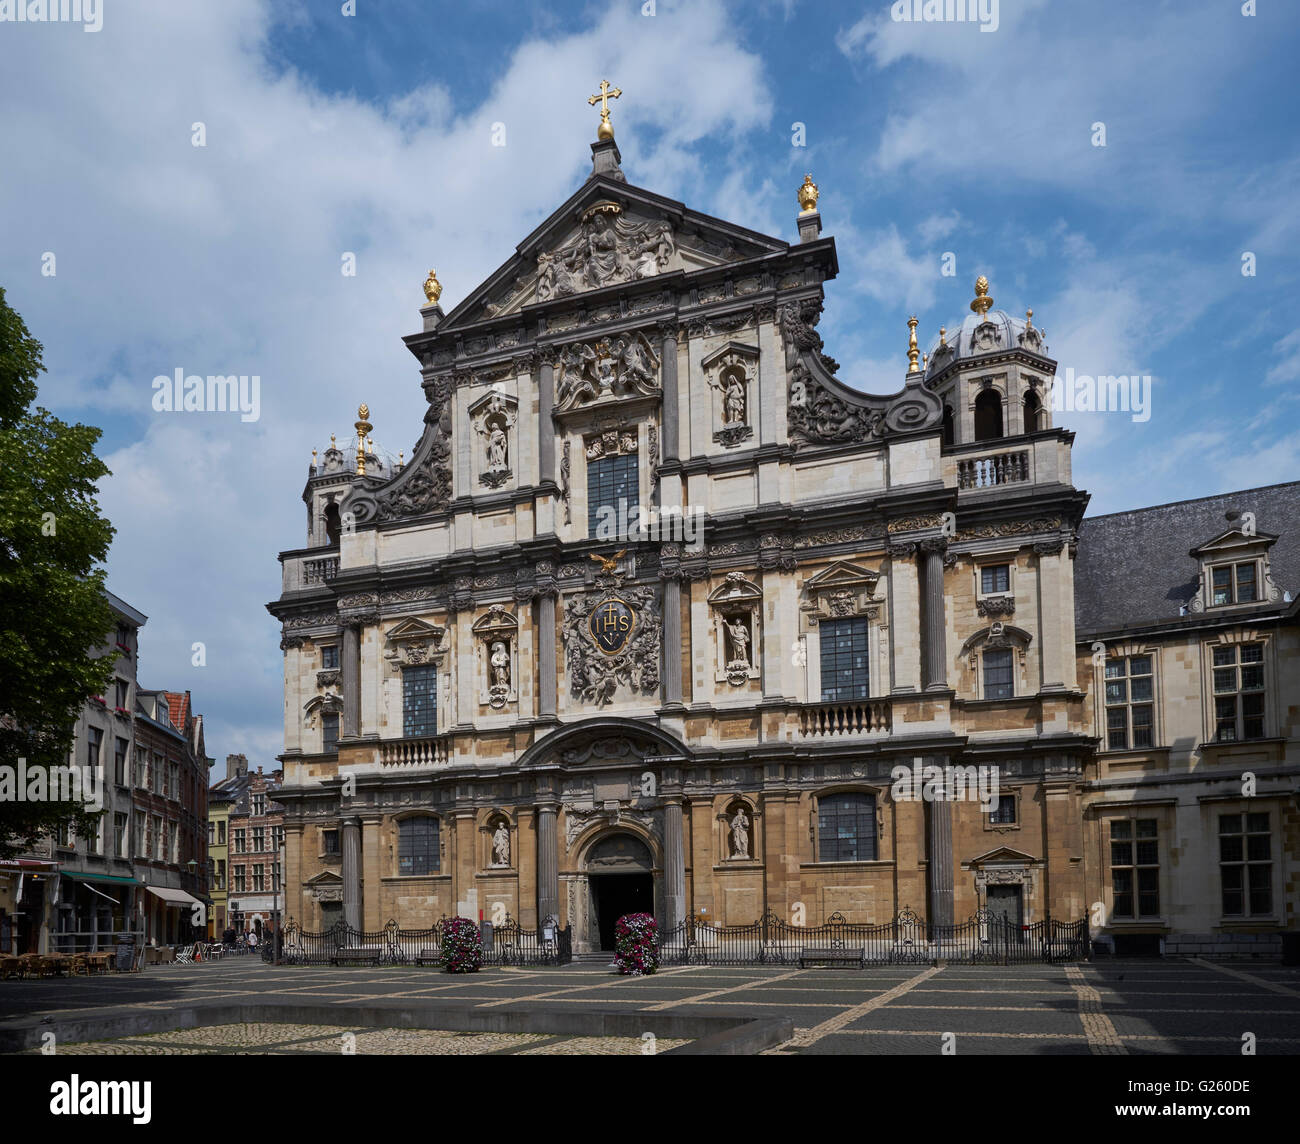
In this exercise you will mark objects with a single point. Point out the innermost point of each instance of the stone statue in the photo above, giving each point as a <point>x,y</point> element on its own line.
<point>501,843</point>
<point>496,450</point>
<point>500,665</point>
<point>739,637</point>
<point>603,263</point>
<point>740,834</point>
<point>733,400</point>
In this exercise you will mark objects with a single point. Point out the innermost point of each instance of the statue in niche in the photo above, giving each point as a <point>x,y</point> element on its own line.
<point>603,261</point>
<point>500,663</point>
<point>501,845</point>
<point>738,639</point>
<point>740,834</point>
<point>496,448</point>
<point>733,400</point>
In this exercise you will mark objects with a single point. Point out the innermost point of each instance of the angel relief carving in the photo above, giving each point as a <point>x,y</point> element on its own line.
<point>607,249</point>
<point>622,366</point>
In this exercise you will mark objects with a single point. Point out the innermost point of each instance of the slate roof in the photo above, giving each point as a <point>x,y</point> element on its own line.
<point>1135,568</point>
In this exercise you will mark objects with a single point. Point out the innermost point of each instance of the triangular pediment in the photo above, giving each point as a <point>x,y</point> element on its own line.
<point>608,234</point>
<point>413,629</point>
<point>1232,541</point>
<point>843,574</point>
<point>324,878</point>
<point>1003,856</point>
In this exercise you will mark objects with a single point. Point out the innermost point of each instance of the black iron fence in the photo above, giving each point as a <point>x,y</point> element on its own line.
<point>906,940</point>
<point>342,944</point>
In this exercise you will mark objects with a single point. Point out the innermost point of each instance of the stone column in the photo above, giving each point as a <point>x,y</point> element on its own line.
<point>351,666</point>
<point>546,660</point>
<point>933,642</point>
<point>674,864</point>
<point>352,872</point>
<point>939,854</point>
<point>904,619</point>
<point>545,429</point>
<point>672,641</point>
<point>548,865</point>
<point>668,357</point>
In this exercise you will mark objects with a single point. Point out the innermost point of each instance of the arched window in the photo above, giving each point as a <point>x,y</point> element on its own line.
<point>332,528</point>
<point>1033,413</point>
<point>417,846</point>
<point>988,415</point>
<point>846,828</point>
<point>949,427</point>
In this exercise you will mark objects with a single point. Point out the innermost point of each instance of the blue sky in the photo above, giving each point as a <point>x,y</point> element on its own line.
<point>371,134</point>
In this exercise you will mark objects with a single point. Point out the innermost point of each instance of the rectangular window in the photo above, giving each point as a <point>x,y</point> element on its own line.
<point>221,874</point>
<point>120,839</point>
<point>330,841</point>
<point>995,578</point>
<point>120,749</point>
<point>212,833</point>
<point>158,775</point>
<point>239,879</point>
<point>258,804</point>
<point>94,737</point>
<point>329,656</point>
<point>277,837</point>
<point>159,839</point>
<point>221,832</point>
<point>259,839</point>
<point>259,878</point>
<point>173,781</point>
<point>1004,813</point>
<point>173,843</point>
<point>1233,584</point>
<point>1238,692</point>
<point>329,723</point>
<point>844,659</point>
<point>275,878</point>
<point>1246,864</point>
<point>240,840</point>
<point>418,846</point>
<point>141,834</point>
<point>420,701</point>
<point>1129,706</point>
<point>123,692</point>
<point>95,839</point>
<point>141,768</point>
<point>997,674</point>
<point>846,828</point>
<point>1135,868</point>
<point>610,480</point>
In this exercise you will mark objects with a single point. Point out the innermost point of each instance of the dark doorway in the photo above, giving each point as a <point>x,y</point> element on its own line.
<point>613,895</point>
<point>988,415</point>
<point>1005,903</point>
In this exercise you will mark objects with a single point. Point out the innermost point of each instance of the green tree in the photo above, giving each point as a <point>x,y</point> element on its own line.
<point>54,618</point>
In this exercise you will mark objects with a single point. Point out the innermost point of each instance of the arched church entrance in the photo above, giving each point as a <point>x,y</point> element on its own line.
<point>620,879</point>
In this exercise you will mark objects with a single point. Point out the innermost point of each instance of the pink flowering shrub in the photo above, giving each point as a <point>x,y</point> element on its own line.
<point>462,951</point>
<point>636,944</point>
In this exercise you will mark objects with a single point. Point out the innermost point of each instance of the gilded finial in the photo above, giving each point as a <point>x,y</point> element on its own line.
<point>432,288</point>
<point>400,463</point>
<point>807,195</point>
<point>313,460</point>
<point>912,352</point>
<point>332,444</point>
<point>1029,319</point>
<point>605,132</point>
<point>943,337</point>
<point>982,303</point>
<point>362,427</point>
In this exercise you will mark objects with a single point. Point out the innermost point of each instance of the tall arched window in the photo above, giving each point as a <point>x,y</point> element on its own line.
<point>846,828</point>
<point>949,426</point>
<point>1033,413</point>
<point>332,528</point>
<point>988,415</point>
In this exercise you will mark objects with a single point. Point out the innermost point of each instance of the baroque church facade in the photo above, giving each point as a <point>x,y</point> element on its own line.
<point>661,607</point>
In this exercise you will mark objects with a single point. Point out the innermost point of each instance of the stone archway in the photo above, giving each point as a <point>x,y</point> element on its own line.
<point>619,871</point>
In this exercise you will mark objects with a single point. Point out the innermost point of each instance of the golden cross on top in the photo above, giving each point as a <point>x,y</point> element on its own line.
<point>606,93</point>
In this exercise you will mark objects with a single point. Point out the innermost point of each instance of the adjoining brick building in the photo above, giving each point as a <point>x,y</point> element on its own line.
<point>254,837</point>
<point>500,691</point>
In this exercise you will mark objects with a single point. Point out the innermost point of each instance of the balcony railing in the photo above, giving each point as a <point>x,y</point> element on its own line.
<point>431,752</point>
<point>318,571</point>
<point>998,469</point>
<point>836,720</point>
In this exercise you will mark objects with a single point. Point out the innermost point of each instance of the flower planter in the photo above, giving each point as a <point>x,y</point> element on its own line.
<point>636,945</point>
<point>462,950</point>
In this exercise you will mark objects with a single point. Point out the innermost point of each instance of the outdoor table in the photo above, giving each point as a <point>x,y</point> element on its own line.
<point>100,961</point>
<point>10,965</point>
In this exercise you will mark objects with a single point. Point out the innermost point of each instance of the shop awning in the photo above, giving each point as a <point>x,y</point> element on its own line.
<point>113,878</point>
<point>173,897</point>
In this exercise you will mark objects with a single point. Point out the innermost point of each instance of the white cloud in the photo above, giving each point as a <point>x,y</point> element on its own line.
<point>226,259</point>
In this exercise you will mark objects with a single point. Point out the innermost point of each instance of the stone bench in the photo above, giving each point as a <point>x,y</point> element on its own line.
<point>853,957</point>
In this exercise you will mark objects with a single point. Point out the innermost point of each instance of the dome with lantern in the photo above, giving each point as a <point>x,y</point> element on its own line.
<point>985,330</point>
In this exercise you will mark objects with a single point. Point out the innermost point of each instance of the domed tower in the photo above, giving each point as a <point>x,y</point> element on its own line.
<point>992,373</point>
<point>332,475</point>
